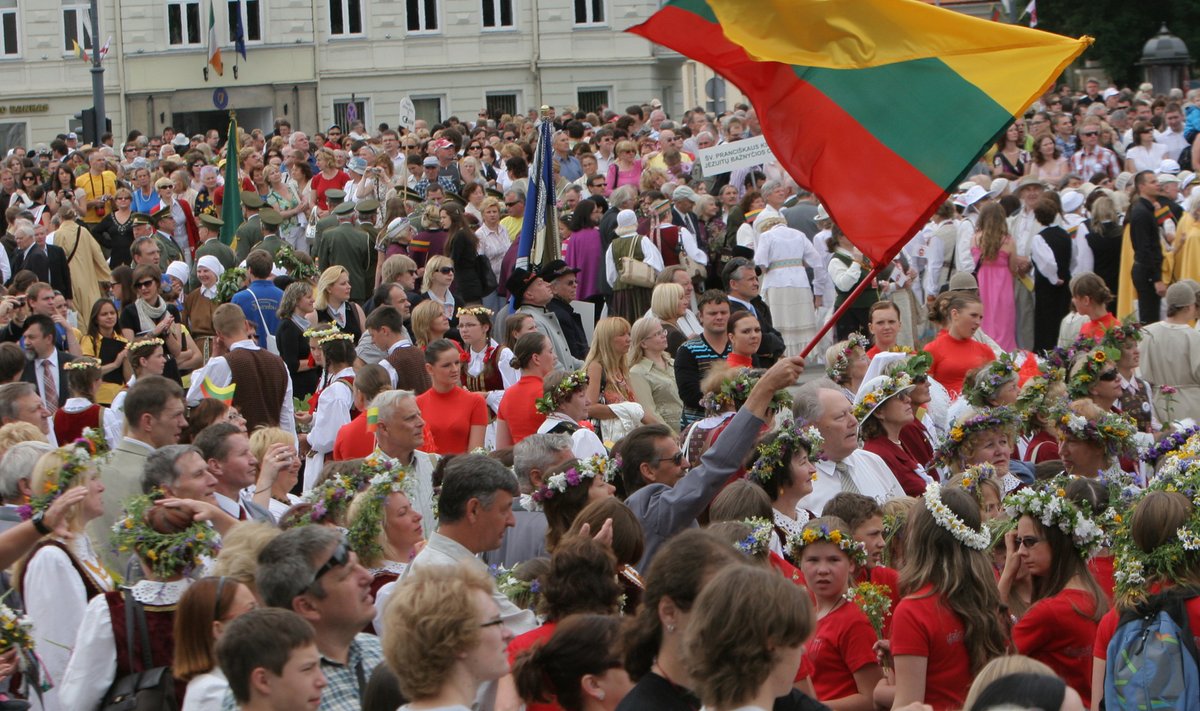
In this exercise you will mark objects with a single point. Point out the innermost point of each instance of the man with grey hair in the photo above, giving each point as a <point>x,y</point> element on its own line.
<point>399,436</point>
<point>311,571</point>
<point>843,466</point>
<point>16,468</point>
<point>20,402</point>
<point>683,202</point>
<point>532,458</point>
<point>514,217</point>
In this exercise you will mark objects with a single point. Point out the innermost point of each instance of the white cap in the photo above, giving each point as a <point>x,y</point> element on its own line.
<point>1169,166</point>
<point>1072,200</point>
<point>179,270</point>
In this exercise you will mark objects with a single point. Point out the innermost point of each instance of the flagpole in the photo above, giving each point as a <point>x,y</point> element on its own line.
<point>97,75</point>
<point>858,290</point>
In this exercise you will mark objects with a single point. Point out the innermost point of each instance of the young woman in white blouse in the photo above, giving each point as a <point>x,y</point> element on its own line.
<point>334,403</point>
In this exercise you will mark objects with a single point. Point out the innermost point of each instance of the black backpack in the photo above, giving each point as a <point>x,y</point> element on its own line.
<point>150,690</point>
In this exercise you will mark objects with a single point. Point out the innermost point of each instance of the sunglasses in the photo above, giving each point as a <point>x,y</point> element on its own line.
<point>410,145</point>
<point>676,459</point>
<point>145,283</point>
<point>124,197</point>
<point>28,177</point>
<point>340,557</point>
<point>1090,133</point>
<point>446,270</point>
<point>1027,541</point>
<point>131,150</point>
<point>473,148</point>
<point>512,204</point>
<point>1108,376</point>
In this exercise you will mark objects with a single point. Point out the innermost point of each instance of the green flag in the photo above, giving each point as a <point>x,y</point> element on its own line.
<point>231,205</point>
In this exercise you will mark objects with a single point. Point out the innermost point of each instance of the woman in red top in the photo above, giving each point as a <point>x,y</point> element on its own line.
<point>845,668</point>
<point>1090,296</point>
<point>517,417</point>
<point>948,625</point>
<point>582,580</point>
<point>884,409</point>
<point>329,178</point>
<point>745,335</point>
<point>1060,628</point>
<point>955,350</point>
<point>578,667</point>
<point>457,417</point>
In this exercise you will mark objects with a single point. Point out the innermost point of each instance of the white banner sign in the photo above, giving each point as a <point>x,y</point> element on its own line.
<point>731,156</point>
<point>408,114</point>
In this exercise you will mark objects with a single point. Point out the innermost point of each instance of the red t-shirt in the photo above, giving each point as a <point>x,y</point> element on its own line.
<point>532,638</point>
<point>517,410</point>
<point>320,184</point>
<point>923,627</point>
<point>873,351</point>
<point>1096,328</point>
<point>1054,632</point>
<point>451,416</point>
<point>953,358</point>
<point>1108,627</point>
<point>353,441</point>
<point>218,195</point>
<point>1102,570</point>
<point>843,644</point>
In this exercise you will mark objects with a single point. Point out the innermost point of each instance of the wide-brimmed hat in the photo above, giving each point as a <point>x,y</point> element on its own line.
<point>1029,181</point>
<point>878,390</point>
<point>519,281</point>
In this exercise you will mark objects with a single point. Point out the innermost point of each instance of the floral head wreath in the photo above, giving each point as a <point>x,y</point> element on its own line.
<point>1114,431</point>
<point>1050,506</point>
<point>1056,362</point>
<point>321,330</point>
<point>475,311</point>
<point>1117,336</point>
<point>917,365</point>
<point>1171,444</point>
<point>388,477</point>
<point>570,384</point>
<point>888,387</point>
<point>288,261</point>
<point>736,388</point>
<point>138,344</point>
<point>822,533</point>
<point>79,457</point>
<point>334,335</point>
<point>987,382</point>
<point>944,517</point>
<point>1087,368</point>
<point>758,541</point>
<point>81,363</point>
<point>973,477</point>
<point>555,484</point>
<point>769,458</point>
<point>840,365</point>
<point>168,554</point>
<point>230,283</point>
<point>986,419</point>
<point>331,499</point>
<point>1034,401</point>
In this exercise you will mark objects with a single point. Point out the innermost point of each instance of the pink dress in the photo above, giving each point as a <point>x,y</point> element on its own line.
<point>618,177</point>
<point>999,304</point>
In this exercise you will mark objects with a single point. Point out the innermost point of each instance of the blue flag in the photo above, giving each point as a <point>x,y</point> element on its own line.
<point>538,244</point>
<point>239,37</point>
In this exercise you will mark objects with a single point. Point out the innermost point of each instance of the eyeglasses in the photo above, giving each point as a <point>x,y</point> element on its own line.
<point>410,145</point>
<point>1028,541</point>
<point>340,557</point>
<point>144,283</point>
<point>124,197</point>
<point>474,148</point>
<point>676,459</point>
<point>446,270</point>
<point>1108,376</point>
<point>1090,133</point>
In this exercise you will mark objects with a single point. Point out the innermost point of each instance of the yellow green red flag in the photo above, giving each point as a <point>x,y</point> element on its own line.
<point>877,106</point>
<point>209,389</point>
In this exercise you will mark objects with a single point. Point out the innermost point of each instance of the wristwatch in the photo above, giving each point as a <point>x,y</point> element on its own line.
<point>40,525</point>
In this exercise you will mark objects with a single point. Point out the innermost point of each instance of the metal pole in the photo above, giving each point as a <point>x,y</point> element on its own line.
<point>97,74</point>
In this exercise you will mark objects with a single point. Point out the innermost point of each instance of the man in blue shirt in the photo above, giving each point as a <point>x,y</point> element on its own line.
<point>260,300</point>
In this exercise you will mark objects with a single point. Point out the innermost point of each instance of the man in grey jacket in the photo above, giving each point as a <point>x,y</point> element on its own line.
<point>664,496</point>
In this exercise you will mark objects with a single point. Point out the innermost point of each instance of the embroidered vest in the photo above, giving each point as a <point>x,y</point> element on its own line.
<point>489,378</point>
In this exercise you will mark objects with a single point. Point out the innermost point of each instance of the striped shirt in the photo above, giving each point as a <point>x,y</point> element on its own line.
<point>692,361</point>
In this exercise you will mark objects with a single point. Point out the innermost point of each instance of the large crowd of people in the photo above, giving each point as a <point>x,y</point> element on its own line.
<point>359,456</point>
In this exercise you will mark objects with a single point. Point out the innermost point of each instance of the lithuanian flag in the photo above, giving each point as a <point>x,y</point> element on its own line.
<point>210,390</point>
<point>877,106</point>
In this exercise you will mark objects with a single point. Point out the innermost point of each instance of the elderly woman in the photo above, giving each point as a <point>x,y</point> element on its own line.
<point>151,316</point>
<point>294,310</point>
<point>279,497</point>
<point>384,527</point>
<point>333,303</point>
<point>884,409</point>
<point>200,303</point>
<point>786,255</point>
<point>631,291</point>
<point>1093,440</point>
<point>60,575</point>
<point>652,369</point>
<point>446,636</point>
<point>984,436</point>
<point>210,180</point>
<point>1094,376</point>
<point>565,405</point>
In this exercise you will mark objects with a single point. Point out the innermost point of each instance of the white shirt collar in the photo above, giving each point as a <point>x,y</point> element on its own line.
<point>53,358</point>
<point>246,345</point>
<point>150,592</point>
<point>228,505</point>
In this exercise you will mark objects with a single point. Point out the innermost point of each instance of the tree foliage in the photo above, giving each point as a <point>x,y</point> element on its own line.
<point>1121,29</point>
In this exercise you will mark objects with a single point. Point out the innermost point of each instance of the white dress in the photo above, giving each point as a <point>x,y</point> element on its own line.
<point>333,411</point>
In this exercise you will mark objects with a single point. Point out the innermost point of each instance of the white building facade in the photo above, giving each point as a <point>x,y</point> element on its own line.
<point>317,62</point>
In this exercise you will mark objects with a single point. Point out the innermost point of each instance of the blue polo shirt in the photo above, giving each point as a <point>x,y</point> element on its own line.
<point>265,321</point>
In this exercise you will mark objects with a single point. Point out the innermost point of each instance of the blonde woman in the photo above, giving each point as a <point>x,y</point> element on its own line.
<point>626,169</point>
<point>333,305</point>
<point>278,497</point>
<point>614,403</point>
<point>429,323</point>
<point>60,575</point>
<point>435,285</point>
<point>652,370</point>
<point>668,304</point>
<point>330,177</point>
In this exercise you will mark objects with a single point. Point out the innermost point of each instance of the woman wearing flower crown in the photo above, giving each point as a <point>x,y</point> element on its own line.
<point>1094,376</point>
<point>565,405</point>
<point>1055,538</point>
<point>884,409</point>
<point>1137,399</point>
<point>992,384</point>
<point>846,363</point>
<point>842,650</point>
<point>567,490</point>
<point>146,357</point>
<point>1094,440</point>
<point>80,411</point>
<point>1038,404</point>
<point>947,627</point>
<point>385,528</point>
<point>783,465</point>
<point>60,575</point>
<point>488,368</point>
<point>335,403</point>
<point>725,391</point>
<point>984,436</point>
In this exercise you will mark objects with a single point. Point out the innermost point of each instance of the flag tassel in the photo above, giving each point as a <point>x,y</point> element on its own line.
<point>858,290</point>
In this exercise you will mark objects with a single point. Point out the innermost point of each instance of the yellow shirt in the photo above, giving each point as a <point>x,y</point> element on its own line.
<point>93,188</point>
<point>512,225</point>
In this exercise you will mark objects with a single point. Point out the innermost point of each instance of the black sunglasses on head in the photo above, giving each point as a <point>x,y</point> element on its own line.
<point>340,557</point>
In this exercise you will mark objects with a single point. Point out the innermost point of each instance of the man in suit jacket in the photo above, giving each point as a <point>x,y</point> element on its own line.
<point>29,254</point>
<point>58,273</point>
<point>227,450</point>
<point>741,283</point>
<point>46,369</point>
<point>154,417</point>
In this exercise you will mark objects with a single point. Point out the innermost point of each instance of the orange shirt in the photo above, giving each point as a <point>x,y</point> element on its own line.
<point>1095,328</point>
<point>451,416</point>
<point>517,408</point>
<point>953,358</point>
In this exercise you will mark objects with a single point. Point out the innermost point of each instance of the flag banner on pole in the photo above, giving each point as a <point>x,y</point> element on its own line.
<point>843,86</point>
<point>239,35</point>
<point>231,204</point>
<point>372,419</point>
<point>214,47</point>
<point>104,49</point>
<point>539,231</point>
<point>80,52</point>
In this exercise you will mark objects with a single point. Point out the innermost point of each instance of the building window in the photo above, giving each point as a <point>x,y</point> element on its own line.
<point>589,12</point>
<point>345,17</point>
<point>9,45</point>
<point>251,11</point>
<point>428,109</point>
<point>183,22</point>
<point>592,100</point>
<point>422,15</point>
<point>77,26</point>
<point>348,111</point>
<point>498,14</point>
<point>12,134</point>
<point>500,104</point>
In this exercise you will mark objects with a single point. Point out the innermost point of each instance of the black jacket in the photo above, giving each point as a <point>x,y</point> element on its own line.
<point>771,347</point>
<point>572,327</point>
<point>30,375</point>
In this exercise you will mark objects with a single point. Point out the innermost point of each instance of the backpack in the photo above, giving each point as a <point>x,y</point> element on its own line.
<point>1152,658</point>
<point>149,690</point>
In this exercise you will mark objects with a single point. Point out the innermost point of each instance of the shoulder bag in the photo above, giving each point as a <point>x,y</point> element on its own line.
<point>633,271</point>
<point>149,690</point>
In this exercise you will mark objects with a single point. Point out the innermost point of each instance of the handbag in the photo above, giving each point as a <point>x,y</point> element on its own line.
<point>310,230</point>
<point>487,277</point>
<point>635,272</point>
<point>149,690</point>
<point>272,342</point>
<point>694,269</point>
